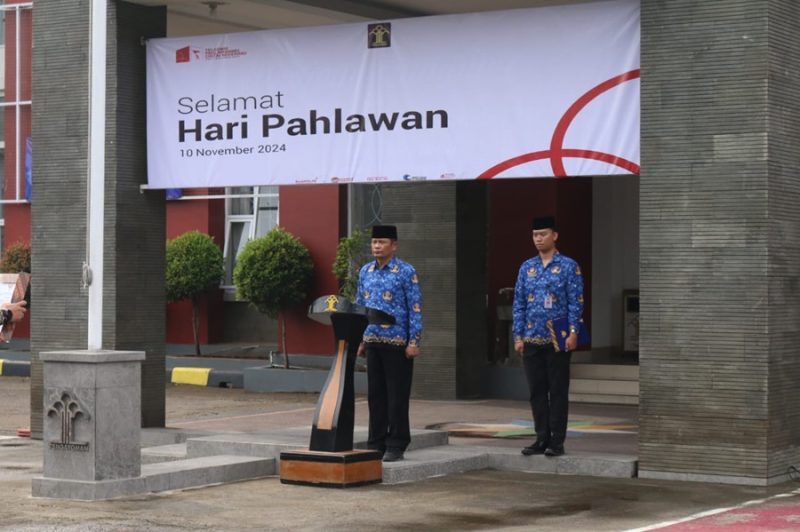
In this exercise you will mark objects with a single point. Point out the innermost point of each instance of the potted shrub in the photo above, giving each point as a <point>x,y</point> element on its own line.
<point>194,266</point>
<point>274,274</point>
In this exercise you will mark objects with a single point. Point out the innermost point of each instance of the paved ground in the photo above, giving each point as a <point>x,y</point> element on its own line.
<point>485,500</point>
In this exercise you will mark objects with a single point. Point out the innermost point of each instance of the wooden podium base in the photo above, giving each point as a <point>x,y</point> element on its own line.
<point>344,469</point>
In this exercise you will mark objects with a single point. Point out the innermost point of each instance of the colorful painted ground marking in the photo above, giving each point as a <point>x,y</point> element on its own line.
<point>524,429</point>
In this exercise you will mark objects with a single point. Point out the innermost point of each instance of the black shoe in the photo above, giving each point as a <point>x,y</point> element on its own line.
<point>554,450</point>
<point>393,456</point>
<point>381,451</point>
<point>538,447</point>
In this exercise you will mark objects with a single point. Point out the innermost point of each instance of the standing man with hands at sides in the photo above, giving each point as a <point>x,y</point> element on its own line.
<point>548,303</point>
<point>391,285</point>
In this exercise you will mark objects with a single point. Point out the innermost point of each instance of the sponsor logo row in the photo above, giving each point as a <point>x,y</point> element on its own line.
<point>371,179</point>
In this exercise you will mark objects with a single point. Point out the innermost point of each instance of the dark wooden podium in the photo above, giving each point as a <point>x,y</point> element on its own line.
<point>330,459</point>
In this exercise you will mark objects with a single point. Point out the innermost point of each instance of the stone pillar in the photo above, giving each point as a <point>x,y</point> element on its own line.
<point>442,230</point>
<point>134,301</point>
<point>720,240</point>
<point>92,418</point>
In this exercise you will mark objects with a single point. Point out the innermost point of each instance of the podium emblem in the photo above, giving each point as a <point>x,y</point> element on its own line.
<point>332,301</point>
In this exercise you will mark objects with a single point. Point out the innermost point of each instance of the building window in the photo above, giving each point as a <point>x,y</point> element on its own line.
<point>15,104</point>
<point>250,212</point>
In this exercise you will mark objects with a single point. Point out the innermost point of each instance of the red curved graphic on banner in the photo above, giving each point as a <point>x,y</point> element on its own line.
<point>557,152</point>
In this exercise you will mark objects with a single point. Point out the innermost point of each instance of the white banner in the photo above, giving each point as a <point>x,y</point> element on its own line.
<point>521,93</point>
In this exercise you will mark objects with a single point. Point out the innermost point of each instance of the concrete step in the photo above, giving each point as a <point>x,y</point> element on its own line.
<point>271,444</point>
<point>614,372</point>
<point>586,464</point>
<point>152,437</point>
<point>451,459</point>
<point>604,383</point>
<point>204,471</point>
<point>603,398</point>
<point>164,476</point>
<point>619,383</point>
<point>435,462</point>
<point>164,453</point>
<point>605,387</point>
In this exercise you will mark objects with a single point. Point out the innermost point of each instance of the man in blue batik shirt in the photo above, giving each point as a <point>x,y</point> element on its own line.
<point>549,286</point>
<point>391,285</point>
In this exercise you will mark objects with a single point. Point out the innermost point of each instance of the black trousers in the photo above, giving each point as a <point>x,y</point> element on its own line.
<point>547,373</point>
<point>388,392</point>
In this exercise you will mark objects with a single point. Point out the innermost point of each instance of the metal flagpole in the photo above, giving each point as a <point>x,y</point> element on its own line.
<point>93,267</point>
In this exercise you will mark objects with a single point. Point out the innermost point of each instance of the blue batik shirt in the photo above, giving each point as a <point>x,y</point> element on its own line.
<point>393,289</point>
<point>559,286</point>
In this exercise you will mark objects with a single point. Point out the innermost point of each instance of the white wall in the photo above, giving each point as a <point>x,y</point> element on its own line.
<point>615,254</point>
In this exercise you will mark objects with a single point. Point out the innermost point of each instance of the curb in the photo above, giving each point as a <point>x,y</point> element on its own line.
<point>197,376</point>
<point>14,368</point>
<point>216,378</point>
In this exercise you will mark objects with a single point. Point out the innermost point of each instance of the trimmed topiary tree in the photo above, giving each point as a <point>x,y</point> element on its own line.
<point>194,266</point>
<point>351,254</point>
<point>274,273</point>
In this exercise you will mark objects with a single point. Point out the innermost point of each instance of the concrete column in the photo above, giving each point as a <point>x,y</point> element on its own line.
<point>134,303</point>
<point>720,243</point>
<point>442,230</point>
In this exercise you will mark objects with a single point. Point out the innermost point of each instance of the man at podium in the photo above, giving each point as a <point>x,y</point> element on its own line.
<point>391,285</point>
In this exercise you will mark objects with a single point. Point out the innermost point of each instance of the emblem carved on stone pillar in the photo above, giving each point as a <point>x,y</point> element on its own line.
<point>68,410</point>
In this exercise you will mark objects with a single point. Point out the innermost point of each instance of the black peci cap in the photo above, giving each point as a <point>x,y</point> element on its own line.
<point>384,231</point>
<point>544,222</point>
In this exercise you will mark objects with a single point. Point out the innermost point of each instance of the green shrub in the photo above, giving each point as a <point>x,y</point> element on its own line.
<point>351,254</point>
<point>194,266</point>
<point>16,258</point>
<point>274,273</point>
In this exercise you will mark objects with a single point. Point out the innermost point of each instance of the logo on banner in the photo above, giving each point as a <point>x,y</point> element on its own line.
<point>191,53</point>
<point>379,35</point>
<point>186,54</point>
